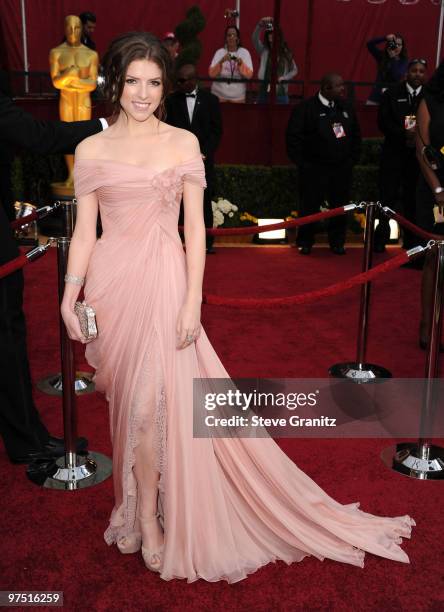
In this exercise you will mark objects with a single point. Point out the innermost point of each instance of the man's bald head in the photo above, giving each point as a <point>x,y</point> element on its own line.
<point>332,86</point>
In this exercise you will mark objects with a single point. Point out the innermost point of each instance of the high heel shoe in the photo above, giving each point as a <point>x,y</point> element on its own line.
<point>130,544</point>
<point>152,558</point>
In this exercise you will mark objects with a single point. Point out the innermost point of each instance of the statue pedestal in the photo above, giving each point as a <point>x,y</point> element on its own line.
<point>62,190</point>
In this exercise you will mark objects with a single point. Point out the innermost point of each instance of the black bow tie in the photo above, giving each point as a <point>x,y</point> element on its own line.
<point>191,95</point>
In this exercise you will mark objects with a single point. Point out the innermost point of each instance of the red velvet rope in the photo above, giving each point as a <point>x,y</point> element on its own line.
<point>414,228</point>
<point>256,229</point>
<point>21,221</point>
<point>310,296</point>
<point>12,266</point>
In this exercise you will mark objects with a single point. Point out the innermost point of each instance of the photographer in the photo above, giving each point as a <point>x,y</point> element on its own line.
<point>286,67</point>
<point>392,63</point>
<point>231,62</point>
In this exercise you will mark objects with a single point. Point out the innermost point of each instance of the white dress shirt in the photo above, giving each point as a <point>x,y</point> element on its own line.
<point>191,103</point>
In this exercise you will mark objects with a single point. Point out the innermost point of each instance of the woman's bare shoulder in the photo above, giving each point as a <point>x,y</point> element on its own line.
<point>184,140</point>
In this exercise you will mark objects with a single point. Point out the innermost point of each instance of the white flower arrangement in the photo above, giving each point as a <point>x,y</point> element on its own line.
<point>221,208</point>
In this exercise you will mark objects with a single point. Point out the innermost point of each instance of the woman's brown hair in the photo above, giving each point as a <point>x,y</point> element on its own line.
<point>122,51</point>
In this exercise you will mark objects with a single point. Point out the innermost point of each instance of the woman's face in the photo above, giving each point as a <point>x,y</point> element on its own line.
<point>232,39</point>
<point>143,89</point>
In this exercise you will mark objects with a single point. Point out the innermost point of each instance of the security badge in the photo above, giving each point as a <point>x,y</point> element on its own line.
<point>409,122</point>
<point>338,130</point>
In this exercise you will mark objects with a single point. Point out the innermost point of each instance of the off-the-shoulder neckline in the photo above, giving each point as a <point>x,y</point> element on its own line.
<point>122,163</point>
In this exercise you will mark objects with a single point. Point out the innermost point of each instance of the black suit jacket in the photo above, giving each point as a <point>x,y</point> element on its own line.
<point>18,128</point>
<point>207,119</point>
<point>310,138</point>
<point>395,105</point>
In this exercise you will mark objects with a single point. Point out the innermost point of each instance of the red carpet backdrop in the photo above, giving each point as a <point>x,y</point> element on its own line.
<point>334,40</point>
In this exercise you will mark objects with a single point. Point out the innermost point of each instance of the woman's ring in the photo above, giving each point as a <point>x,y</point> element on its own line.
<point>189,338</point>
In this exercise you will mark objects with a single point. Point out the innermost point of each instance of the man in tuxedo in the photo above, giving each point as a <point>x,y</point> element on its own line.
<point>399,168</point>
<point>324,140</point>
<point>24,435</point>
<point>198,111</point>
<point>88,20</point>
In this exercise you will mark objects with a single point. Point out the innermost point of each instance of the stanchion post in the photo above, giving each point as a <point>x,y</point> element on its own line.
<point>73,471</point>
<point>423,460</point>
<point>365,289</point>
<point>360,371</point>
<point>68,364</point>
<point>68,218</point>
<point>432,358</point>
<point>53,384</point>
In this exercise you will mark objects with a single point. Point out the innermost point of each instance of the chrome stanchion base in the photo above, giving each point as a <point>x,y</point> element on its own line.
<point>359,372</point>
<point>52,384</point>
<point>88,470</point>
<point>406,459</point>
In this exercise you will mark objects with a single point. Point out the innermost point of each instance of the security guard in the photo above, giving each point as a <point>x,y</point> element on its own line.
<point>324,141</point>
<point>399,168</point>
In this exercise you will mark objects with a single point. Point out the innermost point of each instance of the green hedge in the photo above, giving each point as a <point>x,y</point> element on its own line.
<point>260,190</point>
<point>266,191</point>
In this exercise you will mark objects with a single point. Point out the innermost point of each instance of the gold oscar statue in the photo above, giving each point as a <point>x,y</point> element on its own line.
<point>74,69</point>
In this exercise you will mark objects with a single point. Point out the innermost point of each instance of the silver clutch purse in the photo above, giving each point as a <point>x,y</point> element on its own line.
<point>87,319</point>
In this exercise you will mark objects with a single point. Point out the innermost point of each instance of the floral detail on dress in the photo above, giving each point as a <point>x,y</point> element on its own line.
<point>169,185</point>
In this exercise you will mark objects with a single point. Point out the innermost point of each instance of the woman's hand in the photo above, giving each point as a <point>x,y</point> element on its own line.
<point>188,324</point>
<point>73,326</point>
<point>226,58</point>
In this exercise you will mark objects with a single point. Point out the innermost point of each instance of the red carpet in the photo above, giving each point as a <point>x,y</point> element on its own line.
<point>52,540</point>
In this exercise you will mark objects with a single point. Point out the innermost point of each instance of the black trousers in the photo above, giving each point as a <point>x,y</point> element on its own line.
<point>20,425</point>
<point>398,176</point>
<point>320,183</point>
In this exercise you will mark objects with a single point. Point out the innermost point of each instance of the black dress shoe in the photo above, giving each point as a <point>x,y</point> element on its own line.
<point>338,250</point>
<point>41,469</point>
<point>379,248</point>
<point>305,250</point>
<point>54,448</point>
<point>211,251</point>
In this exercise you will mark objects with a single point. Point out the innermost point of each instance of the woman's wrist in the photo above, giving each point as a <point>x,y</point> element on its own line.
<point>194,299</point>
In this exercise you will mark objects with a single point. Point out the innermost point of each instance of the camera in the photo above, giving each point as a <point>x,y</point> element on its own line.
<point>392,45</point>
<point>269,26</point>
<point>233,58</point>
<point>231,13</point>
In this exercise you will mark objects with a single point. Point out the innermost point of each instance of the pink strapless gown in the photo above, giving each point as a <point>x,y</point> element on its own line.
<point>229,506</point>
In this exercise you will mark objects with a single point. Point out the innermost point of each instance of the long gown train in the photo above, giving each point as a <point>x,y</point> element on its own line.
<point>228,506</point>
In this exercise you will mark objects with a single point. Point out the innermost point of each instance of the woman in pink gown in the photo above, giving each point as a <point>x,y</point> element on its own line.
<point>211,508</point>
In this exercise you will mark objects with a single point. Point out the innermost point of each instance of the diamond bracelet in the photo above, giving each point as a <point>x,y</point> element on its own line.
<point>75,280</point>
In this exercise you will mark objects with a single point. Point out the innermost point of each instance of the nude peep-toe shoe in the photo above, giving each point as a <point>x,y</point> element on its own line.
<point>153,558</point>
<point>130,543</point>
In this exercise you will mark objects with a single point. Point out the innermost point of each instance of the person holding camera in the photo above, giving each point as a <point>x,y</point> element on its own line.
<point>430,188</point>
<point>399,170</point>
<point>324,141</point>
<point>230,63</point>
<point>392,63</point>
<point>286,66</point>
